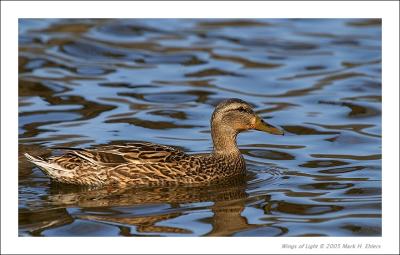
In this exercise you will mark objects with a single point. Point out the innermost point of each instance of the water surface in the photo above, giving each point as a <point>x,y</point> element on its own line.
<point>89,82</point>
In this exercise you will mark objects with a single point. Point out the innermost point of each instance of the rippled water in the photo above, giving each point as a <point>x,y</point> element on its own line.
<point>88,82</point>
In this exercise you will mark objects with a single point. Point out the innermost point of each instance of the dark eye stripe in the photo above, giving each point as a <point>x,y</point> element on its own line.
<point>242,109</point>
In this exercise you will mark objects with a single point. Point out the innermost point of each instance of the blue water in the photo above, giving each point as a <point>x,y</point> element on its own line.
<point>89,82</point>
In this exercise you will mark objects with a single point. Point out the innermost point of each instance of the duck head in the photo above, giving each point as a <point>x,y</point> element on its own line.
<point>233,116</point>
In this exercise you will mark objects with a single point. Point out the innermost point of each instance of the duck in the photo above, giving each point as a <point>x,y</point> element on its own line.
<point>138,164</point>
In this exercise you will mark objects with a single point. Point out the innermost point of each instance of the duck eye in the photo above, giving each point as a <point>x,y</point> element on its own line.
<point>241,109</point>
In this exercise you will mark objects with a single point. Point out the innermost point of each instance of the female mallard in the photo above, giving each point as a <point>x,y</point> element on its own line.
<point>148,164</point>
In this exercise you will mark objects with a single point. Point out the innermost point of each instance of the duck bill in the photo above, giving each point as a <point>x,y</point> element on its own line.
<point>265,127</point>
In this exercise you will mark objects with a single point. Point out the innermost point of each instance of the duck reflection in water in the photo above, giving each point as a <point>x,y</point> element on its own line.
<point>101,205</point>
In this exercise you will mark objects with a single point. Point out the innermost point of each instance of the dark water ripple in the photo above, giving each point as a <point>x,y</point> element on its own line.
<point>102,81</point>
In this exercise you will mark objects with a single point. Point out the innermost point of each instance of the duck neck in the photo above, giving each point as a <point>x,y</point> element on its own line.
<point>224,140</point>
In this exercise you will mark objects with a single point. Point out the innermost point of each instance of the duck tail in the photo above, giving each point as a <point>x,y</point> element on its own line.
<point>50,169</point>
<point>32,158</point>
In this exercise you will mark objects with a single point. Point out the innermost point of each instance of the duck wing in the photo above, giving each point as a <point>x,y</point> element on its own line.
<point>130,153</point>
